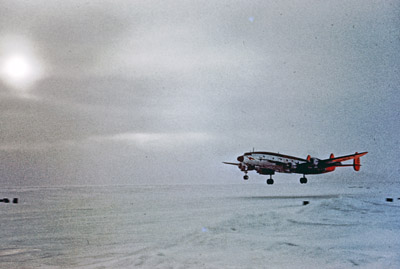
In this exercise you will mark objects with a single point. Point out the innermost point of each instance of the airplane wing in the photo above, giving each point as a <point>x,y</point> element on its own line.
<point>237,164</point>
<point>343,158</point>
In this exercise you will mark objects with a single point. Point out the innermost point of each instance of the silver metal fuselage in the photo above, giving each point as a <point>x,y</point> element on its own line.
<point>267,163</point>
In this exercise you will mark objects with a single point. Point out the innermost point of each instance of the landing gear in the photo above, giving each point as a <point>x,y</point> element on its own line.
<point>245,177</point>
<point>270,181</point>
<point>303,180</point>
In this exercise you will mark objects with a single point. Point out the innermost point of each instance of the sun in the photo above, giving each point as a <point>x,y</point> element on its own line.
<point>18,71</point>
<point>17,68</point>
<point>20,66</point>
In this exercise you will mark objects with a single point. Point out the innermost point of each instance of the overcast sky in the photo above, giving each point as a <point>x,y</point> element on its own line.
<point>149,92</point>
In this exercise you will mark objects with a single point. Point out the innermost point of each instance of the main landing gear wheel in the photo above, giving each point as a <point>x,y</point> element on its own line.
<point>303,180</point>
<point>245,177</point>
<point>270,181</point>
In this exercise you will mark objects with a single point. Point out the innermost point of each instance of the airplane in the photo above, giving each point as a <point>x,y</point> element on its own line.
<point>267,163</point>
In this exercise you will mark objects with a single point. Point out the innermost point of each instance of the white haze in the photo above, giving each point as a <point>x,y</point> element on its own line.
<point>137,90</point>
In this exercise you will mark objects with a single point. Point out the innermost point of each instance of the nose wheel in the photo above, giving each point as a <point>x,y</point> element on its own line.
<point>303,180</point>
<point>245,177</point>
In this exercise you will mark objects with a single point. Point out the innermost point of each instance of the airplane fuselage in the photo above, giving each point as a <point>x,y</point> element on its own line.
<point>267,163</point>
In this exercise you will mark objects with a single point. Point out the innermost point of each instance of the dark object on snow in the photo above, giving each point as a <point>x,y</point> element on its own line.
<point>306,202</point>
<point>6,200</point>
<point>389,199</point>
<point>15,201</point>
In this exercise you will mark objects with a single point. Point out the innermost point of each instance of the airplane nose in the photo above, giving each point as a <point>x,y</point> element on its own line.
<point>240,158</point>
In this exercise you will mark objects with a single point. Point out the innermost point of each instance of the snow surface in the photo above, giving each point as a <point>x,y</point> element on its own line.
<point>244,225</point>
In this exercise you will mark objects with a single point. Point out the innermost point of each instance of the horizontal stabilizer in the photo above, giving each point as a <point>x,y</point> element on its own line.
<point>344,158</point>
<point>346,165</point>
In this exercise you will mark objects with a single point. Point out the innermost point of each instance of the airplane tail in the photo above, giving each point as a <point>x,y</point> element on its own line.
<point>356,163</point>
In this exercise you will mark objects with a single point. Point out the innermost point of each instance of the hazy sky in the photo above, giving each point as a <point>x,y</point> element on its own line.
<point>145,92</point>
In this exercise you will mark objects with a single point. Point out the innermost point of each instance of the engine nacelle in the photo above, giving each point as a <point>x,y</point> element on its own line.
<point>314,161</point>
<point>243,167</point>
<point>289,167</point>
<point>292,165</point>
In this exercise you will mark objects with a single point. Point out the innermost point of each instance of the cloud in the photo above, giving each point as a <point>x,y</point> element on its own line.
<point>157,140</point>
<point>37,146</point>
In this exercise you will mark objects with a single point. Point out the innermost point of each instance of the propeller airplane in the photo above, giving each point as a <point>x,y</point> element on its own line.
<point>267,163</point>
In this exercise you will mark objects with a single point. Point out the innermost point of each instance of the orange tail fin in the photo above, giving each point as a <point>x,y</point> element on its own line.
<point>357,163</point>
<point>331,169</point>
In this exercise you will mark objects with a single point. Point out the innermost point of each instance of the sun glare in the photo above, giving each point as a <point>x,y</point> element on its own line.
<point>16,68</point>
<point>20,67</point>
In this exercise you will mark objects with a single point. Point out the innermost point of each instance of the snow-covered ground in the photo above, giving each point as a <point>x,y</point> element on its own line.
<point>243,225</point>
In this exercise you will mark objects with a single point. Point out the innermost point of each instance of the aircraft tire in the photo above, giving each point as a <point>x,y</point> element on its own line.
<point>303,180</point>
<point>245,177</point>
<point>270,181</point>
